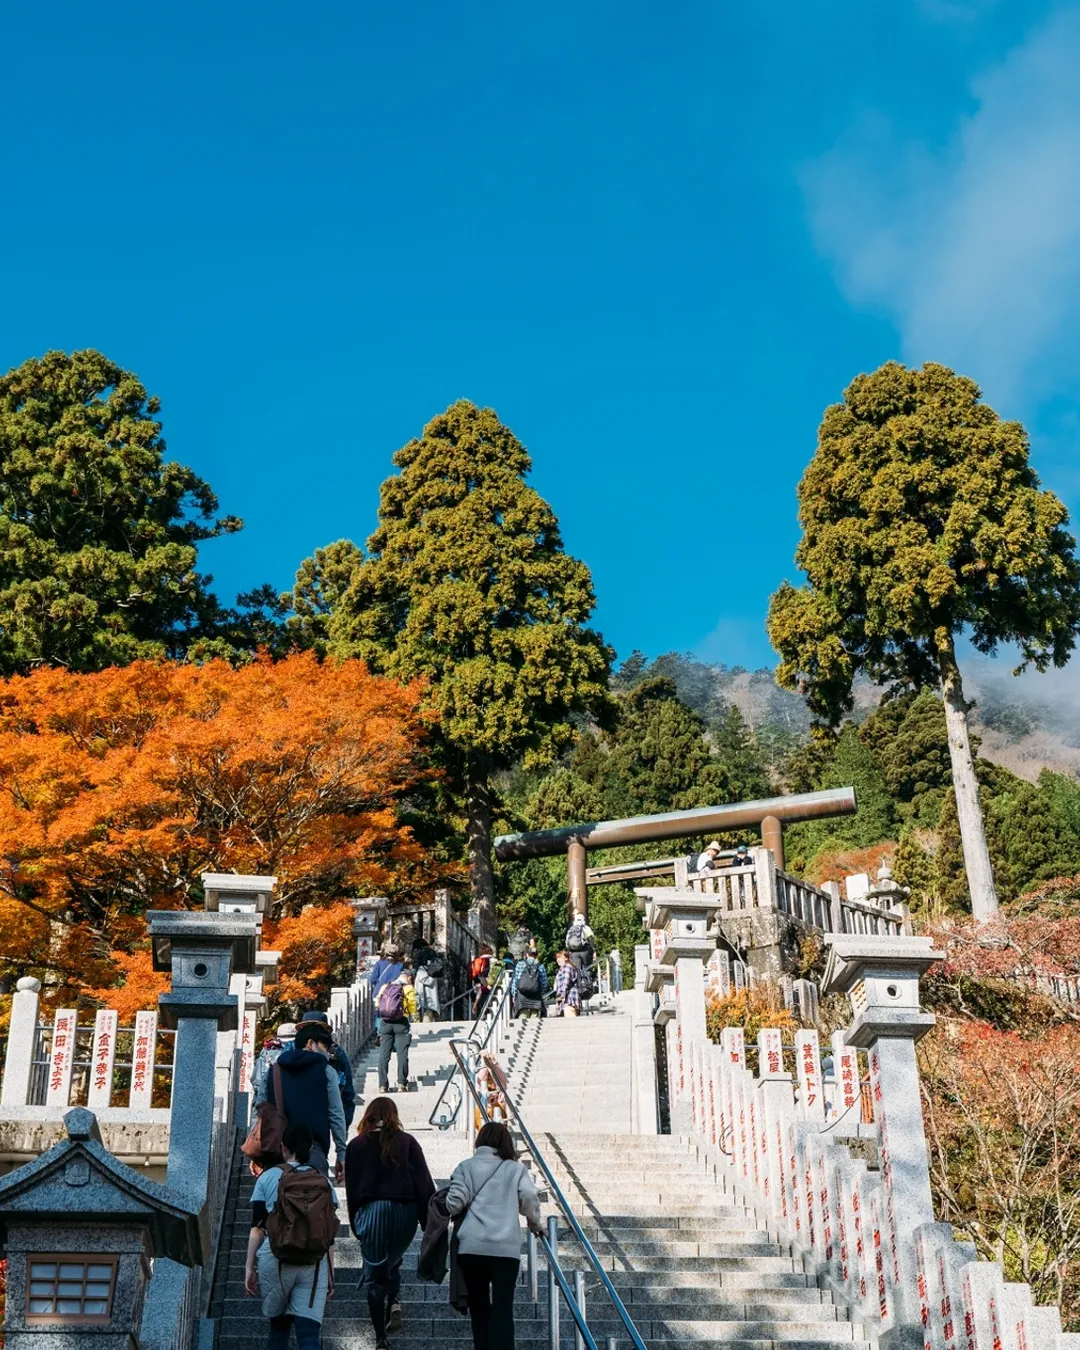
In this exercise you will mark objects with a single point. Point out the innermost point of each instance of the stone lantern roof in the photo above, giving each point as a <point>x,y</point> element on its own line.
<point>78,1182</point>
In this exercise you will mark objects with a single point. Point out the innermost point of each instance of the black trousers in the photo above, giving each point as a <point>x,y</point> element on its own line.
<point>490,1282</point>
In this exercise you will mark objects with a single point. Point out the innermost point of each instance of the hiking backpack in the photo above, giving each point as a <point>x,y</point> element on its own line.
<point>391,1004</point>
<point>529,982</point>
<point>585,985</point>
<point>302,1225</point>
<point>576,938</point>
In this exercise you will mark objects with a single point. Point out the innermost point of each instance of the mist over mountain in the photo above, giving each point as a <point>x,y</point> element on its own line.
<point>1026,722</point>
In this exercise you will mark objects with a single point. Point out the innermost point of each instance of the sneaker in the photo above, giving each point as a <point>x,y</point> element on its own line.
<point>405,1087</point>
<point>381,1343</point>
<point>385,1089</point>
<point>393,1320</point>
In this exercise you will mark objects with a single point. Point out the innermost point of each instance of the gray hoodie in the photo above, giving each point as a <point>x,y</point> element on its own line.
<point>491,1227</point>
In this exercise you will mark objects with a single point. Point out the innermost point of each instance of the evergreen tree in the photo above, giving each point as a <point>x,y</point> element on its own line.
<point>740,753</point>
<point>562,798</point>
<point>853,764</point>
<point>909,737</point>
<point>922,519</point>
<point>466,585</point>
<point>98,531</point>
<point>661,755</point>
<point>1030,837</point>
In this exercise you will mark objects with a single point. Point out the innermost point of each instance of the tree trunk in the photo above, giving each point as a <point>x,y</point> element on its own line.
<point>478,828</point>
<point>980,875</point>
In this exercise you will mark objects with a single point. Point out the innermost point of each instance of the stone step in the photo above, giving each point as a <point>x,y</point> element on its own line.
<point>348,1304</point>
<point>731,1258</point>
<point>666,1225</point>
<point>429,1334</point>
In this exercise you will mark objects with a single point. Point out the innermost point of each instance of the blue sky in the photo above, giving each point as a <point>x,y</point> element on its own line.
<point>659,240</point>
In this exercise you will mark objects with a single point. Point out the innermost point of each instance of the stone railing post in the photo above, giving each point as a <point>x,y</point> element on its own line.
<point>836,910</point>
<point>765,879</point>
<point>881,978</point>
<point>22,1042</point>
<point>641,964</point>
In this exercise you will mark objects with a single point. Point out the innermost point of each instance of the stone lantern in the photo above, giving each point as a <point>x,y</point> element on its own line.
<point>880,976</point>
<point>367,927</point>
<point>80,1230</point>
<point>678,921</point>
<point>237,893</point>
<point>202,951</point>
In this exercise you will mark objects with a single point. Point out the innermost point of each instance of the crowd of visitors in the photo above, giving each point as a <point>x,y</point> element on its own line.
<point>305,1099</point>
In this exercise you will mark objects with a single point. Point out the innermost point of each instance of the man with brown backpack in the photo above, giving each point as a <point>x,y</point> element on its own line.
<point>290,1245</point>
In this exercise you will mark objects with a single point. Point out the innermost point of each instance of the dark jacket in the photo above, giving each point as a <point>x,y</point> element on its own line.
<point>307,1092</point>
<point>339,1061</point>
<point>366,1178</point>
<point>438,1251</point>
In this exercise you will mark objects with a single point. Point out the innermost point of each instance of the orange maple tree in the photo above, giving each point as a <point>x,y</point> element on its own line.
<point>117,789</point>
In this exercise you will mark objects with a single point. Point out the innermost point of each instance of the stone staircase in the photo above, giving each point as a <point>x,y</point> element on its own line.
<point>692,1266</point>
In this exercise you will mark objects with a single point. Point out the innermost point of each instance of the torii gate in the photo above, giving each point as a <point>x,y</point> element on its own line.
<point>768,815</point>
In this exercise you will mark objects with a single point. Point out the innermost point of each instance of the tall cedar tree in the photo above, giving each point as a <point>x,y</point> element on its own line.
<point>117,789</point>
<point>923,519</point>
<point>98,532</point>
<point>466,585</point>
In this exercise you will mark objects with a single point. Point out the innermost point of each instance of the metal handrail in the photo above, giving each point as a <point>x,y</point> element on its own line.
<point>560,1200</point>
<point>497,996</point>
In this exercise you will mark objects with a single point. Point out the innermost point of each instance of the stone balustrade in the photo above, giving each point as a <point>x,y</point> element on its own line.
<point>780,1126</point>
<point>761,886</point>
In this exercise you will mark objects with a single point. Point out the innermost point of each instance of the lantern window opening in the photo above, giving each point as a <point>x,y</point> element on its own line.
<point>69,1287</point>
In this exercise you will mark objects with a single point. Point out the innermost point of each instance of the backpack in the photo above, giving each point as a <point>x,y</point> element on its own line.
<point>302,1225</point>
<point>263,1144</point>
<point>576,939</point>
<point>434,965</point>
<point>479,968</point>
<point>529,982</point>
<point>585,985</point>
<point>391,1005</point>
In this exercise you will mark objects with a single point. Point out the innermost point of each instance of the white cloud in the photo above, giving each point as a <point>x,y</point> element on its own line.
<point>973,249</point>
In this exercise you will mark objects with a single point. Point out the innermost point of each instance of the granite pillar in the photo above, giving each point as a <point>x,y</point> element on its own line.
<point>192,1119</point>
<point>21,1042</point>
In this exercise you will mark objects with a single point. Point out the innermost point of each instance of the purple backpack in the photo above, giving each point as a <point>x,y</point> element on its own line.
<point>391,1004</point>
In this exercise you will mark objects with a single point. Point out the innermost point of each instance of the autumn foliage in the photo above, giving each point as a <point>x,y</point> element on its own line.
<point>118,789</point>
<point>750,1009</point>
<point>1003,1121</point>
<point>317,950</point>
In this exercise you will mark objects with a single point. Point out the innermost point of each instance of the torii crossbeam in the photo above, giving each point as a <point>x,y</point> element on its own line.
<point>768,815</point>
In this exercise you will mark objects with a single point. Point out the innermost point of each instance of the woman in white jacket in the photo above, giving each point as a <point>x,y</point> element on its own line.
<point>491,1189</point>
